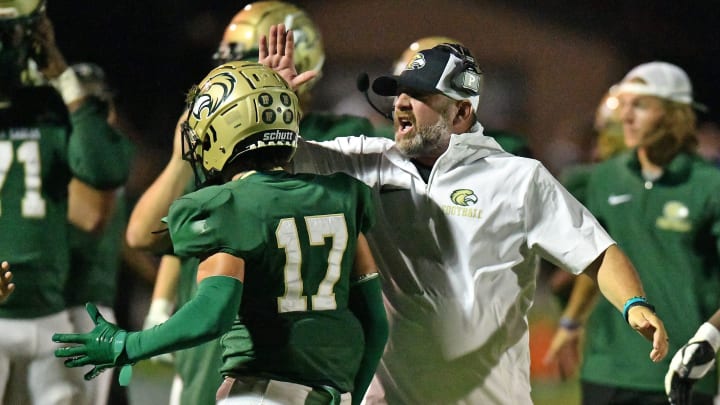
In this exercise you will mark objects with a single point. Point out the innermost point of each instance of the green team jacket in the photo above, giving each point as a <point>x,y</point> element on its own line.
<point>40,151</point>
<point>199,366</point>
<point>669,228</point>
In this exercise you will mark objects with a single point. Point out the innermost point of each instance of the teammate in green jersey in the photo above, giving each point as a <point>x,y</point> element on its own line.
<point>95,256</point>
<point>286,276</point>
<point>661,202</point>
<point>198,367</point>
<point>50,134</point>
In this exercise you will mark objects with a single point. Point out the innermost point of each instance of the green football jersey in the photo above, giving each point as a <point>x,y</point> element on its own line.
<point>670,230</point>
<point>297,235</point>
<point>38,157</point>
<point>199,366</point>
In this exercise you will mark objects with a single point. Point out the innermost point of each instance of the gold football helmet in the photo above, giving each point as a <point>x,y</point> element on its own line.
<point>417,46</point>
<point>238,107</point>
<point>17,9</point>
<point>240,41</point>
<point>17,47</point>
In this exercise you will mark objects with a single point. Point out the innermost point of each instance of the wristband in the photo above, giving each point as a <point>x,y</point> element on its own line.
<point>634,302</point>
<point>569,324</point>
<point>68,85</point>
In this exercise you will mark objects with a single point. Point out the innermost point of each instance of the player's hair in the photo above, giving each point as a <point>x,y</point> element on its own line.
<point>675,133</point>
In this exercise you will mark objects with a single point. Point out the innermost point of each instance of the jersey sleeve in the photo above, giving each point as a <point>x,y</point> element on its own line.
<point>210,221</point>
<point>98,154</point>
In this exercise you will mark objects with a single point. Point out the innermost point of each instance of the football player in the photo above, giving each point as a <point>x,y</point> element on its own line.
<point>50,133</point>
<point>285,276</point>
<point>197,367</point>
<point>95,257</point>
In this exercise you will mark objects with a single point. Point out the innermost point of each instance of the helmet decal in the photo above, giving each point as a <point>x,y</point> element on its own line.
<point>238,107</point>
<point>218,90</point>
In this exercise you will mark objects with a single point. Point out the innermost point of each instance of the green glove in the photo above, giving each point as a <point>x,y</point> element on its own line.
<point>103,347</point>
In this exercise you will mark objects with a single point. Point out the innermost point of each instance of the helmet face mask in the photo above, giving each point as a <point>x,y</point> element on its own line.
<point>240,109</point>
<point>240,41</point>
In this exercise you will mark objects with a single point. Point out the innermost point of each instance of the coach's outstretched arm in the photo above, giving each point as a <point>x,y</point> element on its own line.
<point>618,281</point>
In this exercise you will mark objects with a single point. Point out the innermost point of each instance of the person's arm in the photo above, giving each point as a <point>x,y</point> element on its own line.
<point>210,313</point>
<point>618,281</point>
<point>565,347</point>
<point>692,361</point>
<point>89,209</point>
<point>367,304</point>
<point>154,203</point>
<point>6,285</point>
<point>163,298</point>
<point>164,292</point>
<point>620,285</point>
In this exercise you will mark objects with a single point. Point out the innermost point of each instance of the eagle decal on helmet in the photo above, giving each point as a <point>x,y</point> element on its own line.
<point>218,89</point>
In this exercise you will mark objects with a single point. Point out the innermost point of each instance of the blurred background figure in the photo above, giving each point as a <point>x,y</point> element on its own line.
<point>660,201</point>
<point>95,258</point>
<point>51,135</point>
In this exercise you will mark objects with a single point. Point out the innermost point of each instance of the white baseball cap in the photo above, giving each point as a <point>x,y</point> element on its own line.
<point>659,79</point>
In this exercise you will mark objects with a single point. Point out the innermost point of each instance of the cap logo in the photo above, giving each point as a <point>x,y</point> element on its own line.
<point>417,62</point>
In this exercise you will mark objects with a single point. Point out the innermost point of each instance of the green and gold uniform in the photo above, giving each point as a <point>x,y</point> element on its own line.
<point>38,157</point>
<point>297,235</point>
<point>199,366</point>
<point>669,228</point>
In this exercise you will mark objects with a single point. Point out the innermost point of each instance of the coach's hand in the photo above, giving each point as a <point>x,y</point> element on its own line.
<point>102,347</point>
<point>691,363</point>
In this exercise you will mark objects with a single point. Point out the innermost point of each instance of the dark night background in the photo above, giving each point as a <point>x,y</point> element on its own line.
<point>153,51</point>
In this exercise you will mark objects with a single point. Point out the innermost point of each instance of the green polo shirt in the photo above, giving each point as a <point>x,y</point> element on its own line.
<point>669,228</point>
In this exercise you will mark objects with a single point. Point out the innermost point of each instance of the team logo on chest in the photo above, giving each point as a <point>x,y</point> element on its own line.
<point>674,217</point>
<point>463,200</point>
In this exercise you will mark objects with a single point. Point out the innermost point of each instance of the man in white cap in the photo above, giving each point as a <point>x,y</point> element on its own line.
<point>661,202</point>
<point>460,227</point>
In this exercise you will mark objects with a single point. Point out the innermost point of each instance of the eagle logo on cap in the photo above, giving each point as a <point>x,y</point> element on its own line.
<point>417,62</point>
